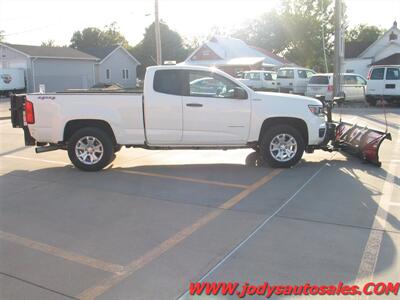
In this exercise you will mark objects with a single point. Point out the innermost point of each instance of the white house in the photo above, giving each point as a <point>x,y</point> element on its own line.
<point>359,57</point>
<point>233,55</point>
<point>115,65</point>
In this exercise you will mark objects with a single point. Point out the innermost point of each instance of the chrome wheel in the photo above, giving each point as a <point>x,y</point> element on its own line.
<point>283,147</point>
<point>89,150</point>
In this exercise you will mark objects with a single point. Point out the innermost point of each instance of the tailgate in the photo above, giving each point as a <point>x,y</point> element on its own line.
<point>17,110</point>
<point>18,115</point>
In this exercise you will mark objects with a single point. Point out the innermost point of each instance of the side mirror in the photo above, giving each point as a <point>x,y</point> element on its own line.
<point>239,93</point>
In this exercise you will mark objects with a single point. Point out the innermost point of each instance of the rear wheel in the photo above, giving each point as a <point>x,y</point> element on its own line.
<point>90,149</point>
<point>282,146</point>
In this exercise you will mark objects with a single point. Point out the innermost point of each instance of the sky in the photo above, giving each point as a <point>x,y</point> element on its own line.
<point>34,21</point>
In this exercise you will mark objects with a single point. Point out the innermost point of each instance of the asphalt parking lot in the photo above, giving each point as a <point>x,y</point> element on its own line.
<point>156,220</point>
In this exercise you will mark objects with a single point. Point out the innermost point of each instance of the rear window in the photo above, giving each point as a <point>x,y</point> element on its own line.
<point>286,73</point>
<point>377,74</point>
<point>168,82</point>
<point>319,80</point>
<point>393,74</point>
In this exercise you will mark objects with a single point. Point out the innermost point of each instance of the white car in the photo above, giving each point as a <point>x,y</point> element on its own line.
<point>293,80</point>
<point>260,80</point>
<point>182,107</point>
<point>352,88</point>
<point>383,82</point>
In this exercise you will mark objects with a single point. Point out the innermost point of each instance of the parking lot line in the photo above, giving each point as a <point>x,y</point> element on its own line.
<point>71,256</point>
<point>151,174</point>
<point>189,179</point>
<point>372,248</point>
<point>106,284</point>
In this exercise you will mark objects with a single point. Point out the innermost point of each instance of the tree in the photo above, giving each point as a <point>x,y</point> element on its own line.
<point>1,35</point>
<point>363,33</point>
<point>95,37</point>
<point>296,30</point>
<point>48,43</point>
<point>172,45</point>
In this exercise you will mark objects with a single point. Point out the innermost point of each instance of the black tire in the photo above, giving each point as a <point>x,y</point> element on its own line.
<point>267,138</point>
<point>371,101</point>
<point>107,149</point>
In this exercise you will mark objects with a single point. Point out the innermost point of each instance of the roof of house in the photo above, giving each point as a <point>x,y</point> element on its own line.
<point>393,59</point>
<point>100,52</point>
<point>103,52</point>
<point>228,48</point>
<point>51,52</point>
<point>355,48</point>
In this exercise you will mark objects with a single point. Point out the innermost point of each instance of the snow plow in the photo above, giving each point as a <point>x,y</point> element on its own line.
<point>353,139</point>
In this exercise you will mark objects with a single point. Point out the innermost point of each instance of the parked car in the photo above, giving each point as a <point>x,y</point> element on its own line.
<point>172,113</point>
<point>353,86</point>
<point>11,81</point>
<point>293,80</point>
<point>260,80</point>
<point>383,82</point>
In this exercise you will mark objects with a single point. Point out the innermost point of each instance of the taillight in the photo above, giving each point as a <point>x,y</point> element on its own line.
<point>29,112</point>
<point>330,88</point>
<point>369,74</point>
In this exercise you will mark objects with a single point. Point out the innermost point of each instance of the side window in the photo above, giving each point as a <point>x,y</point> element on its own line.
<point>309,73</point>
<point>247,76</point>
<point>268,76</point>
<point>350,80</point>
<point>361,81</point>
<point>377,74</point>
<point>302,73</point>
<point>256,76</point>
<point>168,82</point>
<point>393,74</point>
<point>108,73</point>
<point>286,73</point>
<point>207,84</point>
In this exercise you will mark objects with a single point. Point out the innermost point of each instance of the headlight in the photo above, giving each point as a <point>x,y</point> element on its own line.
<point>316,110</point>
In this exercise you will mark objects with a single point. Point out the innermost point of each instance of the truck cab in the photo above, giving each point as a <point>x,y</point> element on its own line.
<point>383,83</point>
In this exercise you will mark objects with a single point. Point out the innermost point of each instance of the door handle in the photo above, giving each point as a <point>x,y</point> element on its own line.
<point>194,105</point>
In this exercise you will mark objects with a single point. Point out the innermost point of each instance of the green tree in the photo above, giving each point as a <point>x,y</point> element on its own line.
<point>48,43</point>
<point>297,30</point>
<point>95,37</point>
<point>363,33</point>
<point>172,45</point>
<point>1,35</point>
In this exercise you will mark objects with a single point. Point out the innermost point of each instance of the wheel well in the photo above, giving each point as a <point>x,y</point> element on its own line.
<point>295,122</point>
<point>72,126</point>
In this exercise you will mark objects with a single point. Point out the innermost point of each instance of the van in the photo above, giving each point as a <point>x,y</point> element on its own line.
<point>293,80</point>
<point>383,82</point>
<point>353,86</point>
<point>260,80</point>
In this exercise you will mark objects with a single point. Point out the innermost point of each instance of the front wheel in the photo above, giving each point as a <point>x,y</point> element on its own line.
<point>282,146</point>
<point>90,149</point>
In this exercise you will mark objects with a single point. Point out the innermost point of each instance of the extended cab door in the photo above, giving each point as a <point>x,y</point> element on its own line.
<point>217,113</point>
<point>163,107</point>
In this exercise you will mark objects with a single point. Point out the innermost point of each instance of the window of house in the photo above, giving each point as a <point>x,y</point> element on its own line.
<point>108,73</point>
<point>125,74</point>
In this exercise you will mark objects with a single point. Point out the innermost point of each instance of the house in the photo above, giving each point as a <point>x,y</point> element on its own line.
<point>58,68</point>
<point>61,68</point>
<point>115,65</point>
<point>360,56</point>
<point>233,55</point>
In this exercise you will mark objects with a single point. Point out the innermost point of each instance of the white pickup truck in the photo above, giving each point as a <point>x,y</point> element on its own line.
<point>180,108</point>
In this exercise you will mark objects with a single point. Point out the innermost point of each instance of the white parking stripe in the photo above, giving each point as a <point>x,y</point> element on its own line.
<point>372,248</point>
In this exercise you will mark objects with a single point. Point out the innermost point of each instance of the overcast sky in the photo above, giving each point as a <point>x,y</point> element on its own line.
<point>34,21</point>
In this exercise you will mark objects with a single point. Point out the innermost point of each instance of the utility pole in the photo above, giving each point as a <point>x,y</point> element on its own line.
<point>338,48</point>
<point>158,35</point>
